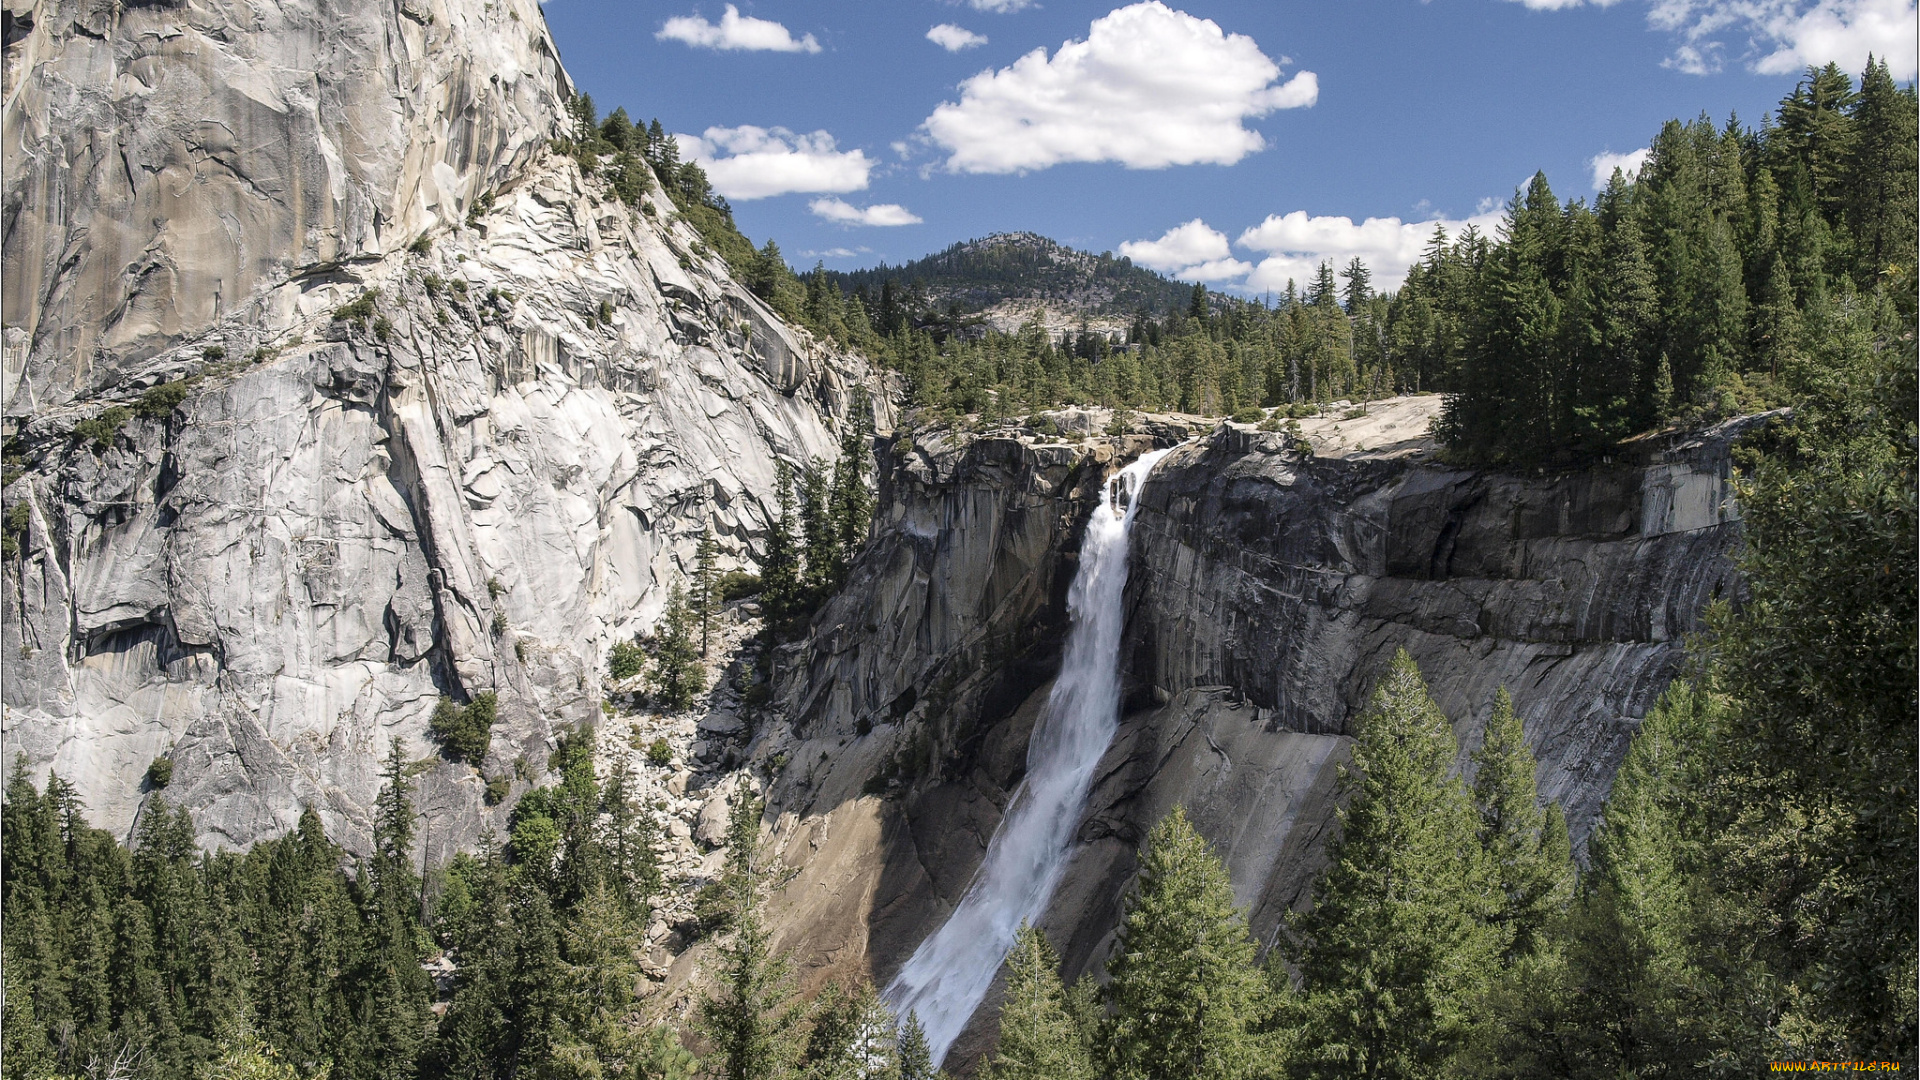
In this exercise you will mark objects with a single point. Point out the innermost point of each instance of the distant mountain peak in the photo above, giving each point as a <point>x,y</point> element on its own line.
<point>980,273</point>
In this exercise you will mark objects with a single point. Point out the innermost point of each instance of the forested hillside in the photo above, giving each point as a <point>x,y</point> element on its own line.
<point>977,273</point>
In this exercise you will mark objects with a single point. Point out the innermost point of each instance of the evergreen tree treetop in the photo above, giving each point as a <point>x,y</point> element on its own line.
<point>1184,990</point>
<point>1527,842</point>
<point>1400,939</point>
<point>1039,1038</point>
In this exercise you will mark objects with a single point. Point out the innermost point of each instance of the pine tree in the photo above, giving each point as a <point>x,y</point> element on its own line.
<point>677,675</point>
<point>852,504</point>
<point>705,601</point>
<point>821,536</point>
<point>850,1037</point>
<point>1039,1038</point>
<point>916,1057</point>
<point>599,943</point>
<point>1184,989</point>
<point>753,1021</point>
<point>1399,943</point>
<point>1818,666</point>
<point>1624,309</point>
<point>473,1039</point>
<point>395,993</point>
<point>780,581</point>
<point>1816,128</point>
<point>1879,186</point>
<point>629,837</point>
<point>1532,860</point>
<point>1359,288</point>
<point>1622,994</point>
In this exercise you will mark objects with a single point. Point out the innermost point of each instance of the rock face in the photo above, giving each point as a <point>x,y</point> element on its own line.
<point>476,482</point>
<point>1269,587</point>
<point>171,165</point>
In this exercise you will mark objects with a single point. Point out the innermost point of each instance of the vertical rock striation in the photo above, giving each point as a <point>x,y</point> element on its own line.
<point>290,477</point>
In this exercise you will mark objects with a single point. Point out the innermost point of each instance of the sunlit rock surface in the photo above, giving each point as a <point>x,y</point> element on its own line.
<point>476,487</point>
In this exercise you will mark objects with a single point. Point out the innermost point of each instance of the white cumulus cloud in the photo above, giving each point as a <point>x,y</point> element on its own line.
<point>1843,32</point>
<point>1194,251</point>
<point>1148,88</point>
<point>841,212</point>
<point>1604,164</point>
<point>1297,243</point>
<point>954,38</point>
<point>735,31</point>
<point>750,162</point>
<point>1777,37</point>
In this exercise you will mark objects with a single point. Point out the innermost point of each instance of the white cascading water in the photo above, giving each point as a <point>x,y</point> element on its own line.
<point>948,975</point>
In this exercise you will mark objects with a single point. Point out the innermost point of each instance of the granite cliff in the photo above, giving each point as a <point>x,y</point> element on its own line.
<point>1274,577</point>
<point>331,392</point>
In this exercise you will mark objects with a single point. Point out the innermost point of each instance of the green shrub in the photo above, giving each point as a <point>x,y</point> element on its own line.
<point>466,732</point>
<point>16,528</point>
<point>382,329</point>
<point>497,789</point>
<point>1248,416</point>
<point>433,283</point>
<point>214,352</point>
<point>499,623</point>
<point>422,245</point>
<point>625,661</point>
<point>1042,425</point>
<point>159,402</point>
<point>737,585</point>
<point>359,309</point>
<point>160,773</point>
<point>659,754</point>
<point>102,429</point>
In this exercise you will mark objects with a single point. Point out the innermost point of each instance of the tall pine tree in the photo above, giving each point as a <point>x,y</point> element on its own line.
<point>1400,940</point>
<point>1184,992</point>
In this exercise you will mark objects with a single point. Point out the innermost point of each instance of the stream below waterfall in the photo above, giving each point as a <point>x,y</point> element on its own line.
<point>949,974</point>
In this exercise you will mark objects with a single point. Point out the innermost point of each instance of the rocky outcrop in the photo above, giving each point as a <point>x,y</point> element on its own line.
<point>171,165</point>
<point>1271,584</point>
<point>294,478</point>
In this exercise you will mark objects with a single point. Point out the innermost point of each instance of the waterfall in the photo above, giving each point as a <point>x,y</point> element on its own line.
<point>948,975</point>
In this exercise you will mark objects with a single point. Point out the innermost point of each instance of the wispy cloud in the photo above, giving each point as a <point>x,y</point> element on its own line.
<point>841,212</point>
<point>954,38</point>
<point>1777,37</point>
<point>750,162</point>
<point>735,31</point>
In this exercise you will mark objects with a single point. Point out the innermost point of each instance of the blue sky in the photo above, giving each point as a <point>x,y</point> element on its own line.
<point>1231,141</point>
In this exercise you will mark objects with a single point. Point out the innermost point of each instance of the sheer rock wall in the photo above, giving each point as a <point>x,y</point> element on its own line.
<point>478,485</point>
<point>1268,588</point>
